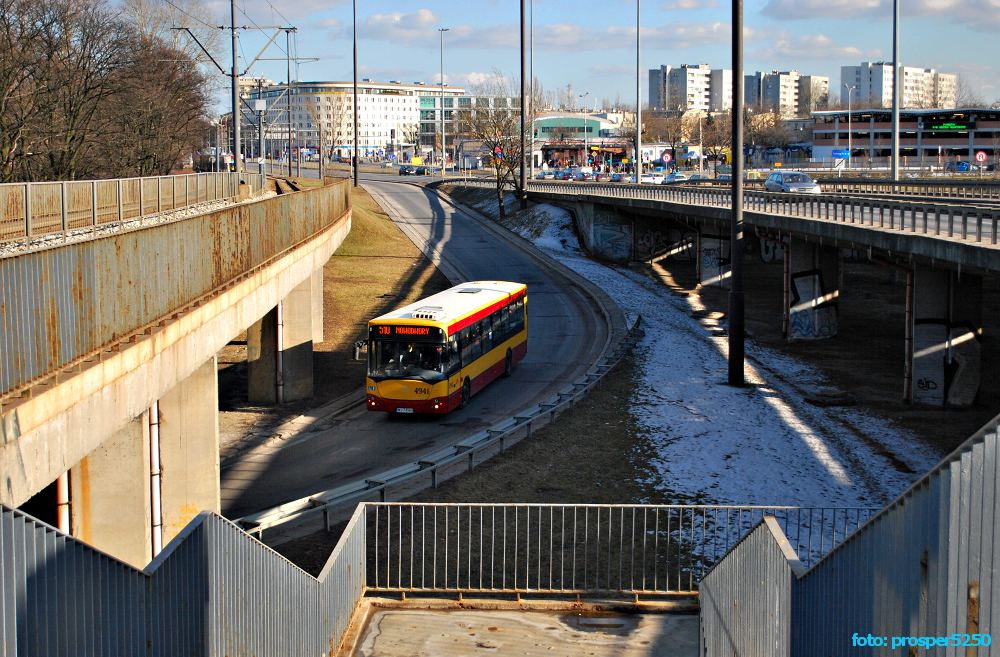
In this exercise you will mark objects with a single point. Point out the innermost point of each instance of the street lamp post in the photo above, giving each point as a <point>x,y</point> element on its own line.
<point>443,149</point>
<point>586,152</point>
<point>850,89</point>
<point>736,297</point>
<point>638,92</point>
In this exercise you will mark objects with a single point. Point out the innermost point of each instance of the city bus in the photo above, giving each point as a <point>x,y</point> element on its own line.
<point>433,355</point>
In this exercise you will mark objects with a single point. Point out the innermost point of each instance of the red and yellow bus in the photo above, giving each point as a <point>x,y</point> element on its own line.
<point>433,355</point>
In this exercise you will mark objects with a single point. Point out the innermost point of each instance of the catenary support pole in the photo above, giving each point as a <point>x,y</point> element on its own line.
<point>638,92</point>
<point>354,159</point>
<point>736,225</point>
<point>897,90</point>
<point>523,124</point>
<point>236,92</point>
<point>288,95</point>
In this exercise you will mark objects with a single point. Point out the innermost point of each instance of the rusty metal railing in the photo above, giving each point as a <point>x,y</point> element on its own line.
<point>62,305</point>
<point>576,548</point>
<point>30,210</point>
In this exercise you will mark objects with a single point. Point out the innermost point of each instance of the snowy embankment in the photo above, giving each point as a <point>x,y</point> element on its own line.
<point>762,444</point>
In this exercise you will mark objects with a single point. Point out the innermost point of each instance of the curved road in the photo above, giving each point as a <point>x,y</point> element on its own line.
<point>566,334</point>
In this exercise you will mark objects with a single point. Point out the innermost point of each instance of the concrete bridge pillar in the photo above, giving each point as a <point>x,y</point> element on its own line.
<point>110,495</point>
<point>189,449</point>
<point>813,281</point>
<point>135,492</point>
<point>280,345</point>
<point>946,356</point>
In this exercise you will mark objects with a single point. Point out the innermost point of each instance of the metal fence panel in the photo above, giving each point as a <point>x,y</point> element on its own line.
<point>61,304</point>
<point>552,548</point>
<point>214,590</point>
<point>32,209</point>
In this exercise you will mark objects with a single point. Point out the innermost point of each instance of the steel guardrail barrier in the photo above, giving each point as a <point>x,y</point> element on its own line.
<point>213,590</point>
<point>430,465</point>
<point>965,222</point>
<point>567,549</point>
<point>65,304</point>
<point>34,209</point>
<point>921,567</point>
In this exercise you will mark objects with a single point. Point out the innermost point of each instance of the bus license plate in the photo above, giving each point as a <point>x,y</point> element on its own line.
<point>404,410</point>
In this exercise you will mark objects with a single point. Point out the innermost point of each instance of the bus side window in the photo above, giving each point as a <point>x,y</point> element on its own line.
<point>487,331</point>
<point>517,318</point>
<point>475,338</point>
<point>505,322</point>
<point>498,336</point>
<point>453,357</point>
<point>466,345</point>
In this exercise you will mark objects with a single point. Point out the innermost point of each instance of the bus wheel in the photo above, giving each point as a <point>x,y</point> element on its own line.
<point>466,394</point>
<point>508,364</point>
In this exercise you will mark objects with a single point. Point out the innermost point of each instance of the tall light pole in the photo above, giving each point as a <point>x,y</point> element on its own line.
<point>531,88</point>
<point>523,183</point>
<point>288,94</point>
<point>850,89</point>
<point>586,152</point>
<point>736,353</point>
<point>897,89</point>
<point>237,112</point>
<point>354,155</point>
<point>441,31</point>
<point>638,92</point>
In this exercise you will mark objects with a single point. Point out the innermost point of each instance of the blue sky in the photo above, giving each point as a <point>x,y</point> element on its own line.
<point>591,44</point>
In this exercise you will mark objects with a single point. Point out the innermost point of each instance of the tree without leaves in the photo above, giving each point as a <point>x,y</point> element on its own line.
<point>717,136</point>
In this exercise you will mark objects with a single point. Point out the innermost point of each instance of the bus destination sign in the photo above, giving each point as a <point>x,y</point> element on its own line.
<point>410,333</point>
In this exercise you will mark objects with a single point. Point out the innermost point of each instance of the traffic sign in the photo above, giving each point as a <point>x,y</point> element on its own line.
<point>841,154</point>
<point>498,150</point>
<point>666,157</point>
<point>980,156</point>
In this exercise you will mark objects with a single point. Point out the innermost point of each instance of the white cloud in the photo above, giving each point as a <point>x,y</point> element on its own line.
<point>612,70</point>
<point>977,15</point>
<point>784,47</point>
<point>399,27</point>
<point>683,5</point>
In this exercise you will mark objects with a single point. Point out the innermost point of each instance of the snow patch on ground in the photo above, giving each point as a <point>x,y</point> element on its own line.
<point>762,444</point>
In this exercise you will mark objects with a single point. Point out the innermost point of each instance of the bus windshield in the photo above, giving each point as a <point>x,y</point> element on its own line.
<point>391,359</point>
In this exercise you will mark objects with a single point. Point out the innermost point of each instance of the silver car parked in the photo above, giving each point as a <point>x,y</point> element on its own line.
<point>791,182</point>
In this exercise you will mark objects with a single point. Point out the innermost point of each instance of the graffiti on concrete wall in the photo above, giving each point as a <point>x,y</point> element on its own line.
<point>612,240</point>
<point>771,252</point>
<point>675,243</point>
<point>947,360</point>
<point>811,316</point>
<point>715,262</point>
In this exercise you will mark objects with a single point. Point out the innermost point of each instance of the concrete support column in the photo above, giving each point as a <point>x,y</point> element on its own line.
<point>262,359</point>
<point>714,260</point>
<point>814,275</point>
<point>947,312</point>
<point>111,495</point>
<point>280,345</point>
<point>189,449</point>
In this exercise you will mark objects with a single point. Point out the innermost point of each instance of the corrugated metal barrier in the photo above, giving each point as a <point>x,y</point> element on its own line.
<point>214,590</point>
<point>61,305</point>
<point>32,209</point>
<point>916,579</point>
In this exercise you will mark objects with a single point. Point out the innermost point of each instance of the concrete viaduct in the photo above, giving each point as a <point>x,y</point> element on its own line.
<point>943,245</point>
<point>108,358</point>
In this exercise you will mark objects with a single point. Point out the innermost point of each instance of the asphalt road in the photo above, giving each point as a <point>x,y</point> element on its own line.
<point>566,334</point>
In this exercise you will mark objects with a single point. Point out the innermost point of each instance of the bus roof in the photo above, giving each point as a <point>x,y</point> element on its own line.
<point>457,307</point>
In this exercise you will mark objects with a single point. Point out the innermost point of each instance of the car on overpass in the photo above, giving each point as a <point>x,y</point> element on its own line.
<point>791,182</point>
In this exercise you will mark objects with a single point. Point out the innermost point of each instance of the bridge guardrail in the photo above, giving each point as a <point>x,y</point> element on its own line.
<point>430,465</point>
<point>977,223</point>
<point>63,305</point>
<point>40,208</point>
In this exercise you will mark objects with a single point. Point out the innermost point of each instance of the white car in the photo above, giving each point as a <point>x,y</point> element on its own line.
<point>649,179</point>
<point>791,182</point>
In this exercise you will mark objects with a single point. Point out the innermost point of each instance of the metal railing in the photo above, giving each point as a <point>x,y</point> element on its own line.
<point>213,590</point>
<point>33,209</point>
<point>977,223</point>
<point>64,304</point>
<point>430,467</point>
<point>921,567</point>
<point>570,549</point>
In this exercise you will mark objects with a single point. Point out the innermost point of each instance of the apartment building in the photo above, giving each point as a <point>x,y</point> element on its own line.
<point>871,82</point>
<point>788,92</point>
<point>691,87</point>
